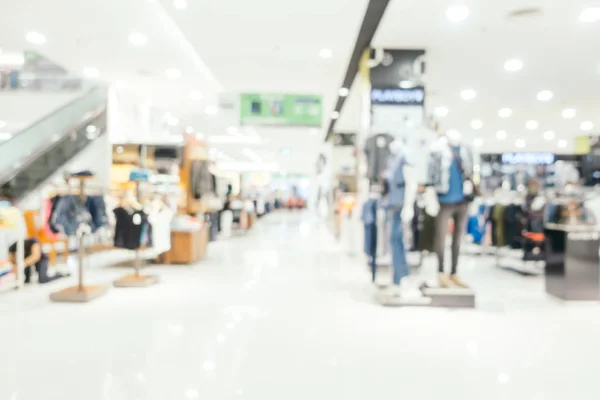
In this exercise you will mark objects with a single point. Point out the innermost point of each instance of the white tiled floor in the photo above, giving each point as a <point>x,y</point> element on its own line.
<point>283,314</point>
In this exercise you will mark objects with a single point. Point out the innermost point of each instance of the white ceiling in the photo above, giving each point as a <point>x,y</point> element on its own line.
<point>225,46</point>
<point>558,51</point>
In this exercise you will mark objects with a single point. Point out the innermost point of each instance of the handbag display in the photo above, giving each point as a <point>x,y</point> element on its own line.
<point>470,189</point>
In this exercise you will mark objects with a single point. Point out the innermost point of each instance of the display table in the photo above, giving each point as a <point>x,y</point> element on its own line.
<point>187,247</point>
<point>572,262</point>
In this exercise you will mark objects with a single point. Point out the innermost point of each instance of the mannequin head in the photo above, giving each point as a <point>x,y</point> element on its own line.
<point>395,147</point>
<point>454,137</point>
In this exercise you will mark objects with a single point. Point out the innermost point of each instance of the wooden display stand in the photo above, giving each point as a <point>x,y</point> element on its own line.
<point>80,293</point>
<point>187,247</point>
<point>137,279</point>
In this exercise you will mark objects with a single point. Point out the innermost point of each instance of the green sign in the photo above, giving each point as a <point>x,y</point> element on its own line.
<point>281,109</point>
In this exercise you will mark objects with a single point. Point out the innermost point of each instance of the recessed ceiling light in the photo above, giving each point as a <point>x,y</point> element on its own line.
<point>173,121</point>
<point>520,143</point>
<point>549,135</point>
<point>5,136</point>
<point>91,72</point>
<point>545,95</point>
<point>35,38</point>
<point>513,65</point>
<point>501,135</point>
<point>457,13</point>
<point>199,136</point>
<point>562,143</point>
<point>468,94</point>
<point>138,39</point>
<point>505,112</point>
<point>532,125</point>
<point>173,73</point>
<point>569,113</point>
<point>326,53</point>
<point>189,129</point>
<point>406,84</point>
<point>343,92</point>
<point>478,142</point>
<point>441,111</point>
<point>476,124</point>
<point>180,4</point>
<point>91,129</point>
<point>335,115</point>
<point>119,149</point>
<point>2,124</point>
<point>587,126</point>
<point>196,95</point>
<point>589,15</point>
<point>211,110</point>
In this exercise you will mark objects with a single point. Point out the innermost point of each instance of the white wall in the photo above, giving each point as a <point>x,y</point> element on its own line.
<point>20,109</point>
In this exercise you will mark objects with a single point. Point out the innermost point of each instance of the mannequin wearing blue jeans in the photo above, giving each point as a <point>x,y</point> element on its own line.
<point>397,243</point>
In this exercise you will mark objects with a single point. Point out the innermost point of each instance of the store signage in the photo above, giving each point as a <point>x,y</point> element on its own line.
<point>281,109</point>
<point>398,96</point>
<point>528,158</point>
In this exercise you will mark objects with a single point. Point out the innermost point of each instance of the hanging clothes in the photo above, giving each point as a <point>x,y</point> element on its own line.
<point>132,230</point>
<point>68,214</point>
<point>369,218</point>
<point>160,222</point>
<point>497,221</point>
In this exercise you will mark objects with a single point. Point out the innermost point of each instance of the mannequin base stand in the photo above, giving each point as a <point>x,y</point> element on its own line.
<point>431,297</point>
<point>78,294</point>
<point>137,280</point>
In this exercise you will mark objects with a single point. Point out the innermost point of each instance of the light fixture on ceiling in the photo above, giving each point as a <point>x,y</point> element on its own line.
<point>545,95</point>
<point>189,129</point>
<point>119,149</point>
<point>326,53</point>
<point>343,92</point>
<point>180,4</point>
<point>549,135</point>
<point>173,121</point>
<point>532,125</point>
<point>199,136</point>
<point>335,115</point>
<point>513,65</point>
<point>590,15</point>
<point>569,113</point>
<point>476,124</point>
<point>457,13</point>
<point>196,95</point>
<point>441,111</point>
<point>468,94</point>
<point>211,110</point>
<point>285,151</point>
<point>91,129</point>
<point>35,38</point>
<point>405,84</point>
<point>478,142</point>
<point>520,143</point>
<point>587,126</point>
<point>173,73</point>
<point>562,143</point>
<point>232,130</point>
<point>91,72</point>
<point>5,136</point>
<point>138,39</point>
<point>505,112</point>
<point>501,135</point>
<point>2,124</point>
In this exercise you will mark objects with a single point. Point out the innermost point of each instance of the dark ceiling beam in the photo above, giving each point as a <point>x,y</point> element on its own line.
<point>371,20</point>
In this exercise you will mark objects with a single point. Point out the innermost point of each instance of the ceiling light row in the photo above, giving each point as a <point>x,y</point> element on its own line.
<point>520,143</point>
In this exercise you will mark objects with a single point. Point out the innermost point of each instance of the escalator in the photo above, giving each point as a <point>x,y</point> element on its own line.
<point>36,153</point>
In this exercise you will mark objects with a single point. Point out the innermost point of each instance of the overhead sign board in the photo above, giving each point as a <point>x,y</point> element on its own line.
<point>398,96</point>
<point>281,109</point>
<point>528,158</point>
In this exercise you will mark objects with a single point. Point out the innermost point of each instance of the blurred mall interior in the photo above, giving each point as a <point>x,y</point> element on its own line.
<point>277,199</point>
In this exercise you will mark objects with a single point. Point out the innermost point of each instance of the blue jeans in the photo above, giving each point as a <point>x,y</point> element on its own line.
<point>398,250</point>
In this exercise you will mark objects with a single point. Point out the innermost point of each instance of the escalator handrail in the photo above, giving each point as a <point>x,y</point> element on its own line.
<point>7,175</point>
<point>53,113</point>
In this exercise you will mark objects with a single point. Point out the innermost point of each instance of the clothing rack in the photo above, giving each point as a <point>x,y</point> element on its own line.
<point>81,292</point>
<point>137,279</point>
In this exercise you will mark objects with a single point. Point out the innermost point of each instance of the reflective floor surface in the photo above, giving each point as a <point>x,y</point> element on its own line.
<point>283,314</point>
